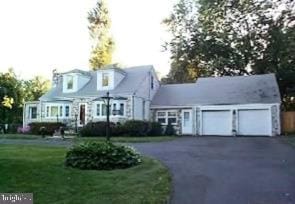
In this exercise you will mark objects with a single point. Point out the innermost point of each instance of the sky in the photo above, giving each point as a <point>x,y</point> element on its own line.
<point>37,36</point>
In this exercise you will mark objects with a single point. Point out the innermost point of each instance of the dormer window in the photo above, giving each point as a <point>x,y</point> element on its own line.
<point>105,79</point>
<point>70,82</point>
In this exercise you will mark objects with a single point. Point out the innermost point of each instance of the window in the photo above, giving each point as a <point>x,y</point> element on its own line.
<point>105,79</point>
<point>152,82</point>
<point>116,108</point>
<point>67,111</point>
<point>70,82</point>
<point>53,111</point>
<point>161,117</point>
<point>47,111</point>
<point>33,112</point>
<point>103,109</point>
<point>165,117</point>
<point>121,108</point>
<point>60,111</point>
<point>98,109</point>
<point>57,110</point>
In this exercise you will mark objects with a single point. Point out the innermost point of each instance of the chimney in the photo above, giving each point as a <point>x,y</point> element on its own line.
<point>55,78</point>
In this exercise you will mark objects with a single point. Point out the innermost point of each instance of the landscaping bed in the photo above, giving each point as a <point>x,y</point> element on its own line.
<point>41,170</point>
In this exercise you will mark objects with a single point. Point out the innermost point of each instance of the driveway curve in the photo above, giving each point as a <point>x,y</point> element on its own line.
<point>244,170</point>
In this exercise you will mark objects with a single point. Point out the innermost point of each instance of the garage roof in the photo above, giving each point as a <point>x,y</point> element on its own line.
<point>220,91</point>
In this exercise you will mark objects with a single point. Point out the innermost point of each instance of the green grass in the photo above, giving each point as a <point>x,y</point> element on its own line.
<point>19,136</point>
<point>290,139</point>
<point>40,170</point>
<point>78,139</point>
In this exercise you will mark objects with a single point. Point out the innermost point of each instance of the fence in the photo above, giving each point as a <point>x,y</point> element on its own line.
<point>288,122</point>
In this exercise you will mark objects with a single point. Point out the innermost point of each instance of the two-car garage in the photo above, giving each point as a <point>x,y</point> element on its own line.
<point>236,121</point>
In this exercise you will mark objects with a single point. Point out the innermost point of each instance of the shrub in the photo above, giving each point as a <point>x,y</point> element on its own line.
<point>155,129</point>
<point>129,128</point>
<point>101,156</point>
<point>170,130</point>
<point>136,128</point>
<point>49,128</point>
<point>95,129</point>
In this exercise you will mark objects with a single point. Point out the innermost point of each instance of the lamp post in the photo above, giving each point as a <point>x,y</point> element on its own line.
<point>76,121</point>
<point>106,99</point>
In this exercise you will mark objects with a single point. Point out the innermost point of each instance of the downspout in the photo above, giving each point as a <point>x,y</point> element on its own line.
<point>132,101</point>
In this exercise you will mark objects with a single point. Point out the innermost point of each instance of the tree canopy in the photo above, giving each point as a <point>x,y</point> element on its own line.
<point>99,28</point>
<point>229,37</point>
<point>14,92</point>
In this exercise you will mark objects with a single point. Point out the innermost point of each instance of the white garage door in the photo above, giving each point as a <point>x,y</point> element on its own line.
<point>216,122</point>
<point>254,122</point>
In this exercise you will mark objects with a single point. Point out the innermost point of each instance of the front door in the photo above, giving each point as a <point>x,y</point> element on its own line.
<point>82,114</point>
<point>187,122</point>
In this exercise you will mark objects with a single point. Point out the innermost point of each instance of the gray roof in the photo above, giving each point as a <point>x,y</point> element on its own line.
<point>133,78</point>
<point>220,91</point>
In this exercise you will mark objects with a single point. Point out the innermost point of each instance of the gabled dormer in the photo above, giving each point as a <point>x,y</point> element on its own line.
<point>74,80</point>
<point>109,78</point>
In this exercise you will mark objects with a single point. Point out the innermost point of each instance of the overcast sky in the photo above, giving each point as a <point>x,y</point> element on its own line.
<point>37,36</point>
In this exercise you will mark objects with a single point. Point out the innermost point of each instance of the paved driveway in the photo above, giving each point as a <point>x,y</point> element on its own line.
<point>228,170</point>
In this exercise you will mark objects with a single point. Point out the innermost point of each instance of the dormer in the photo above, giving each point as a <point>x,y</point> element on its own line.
<point>74,80</point>
<point>108,79</point>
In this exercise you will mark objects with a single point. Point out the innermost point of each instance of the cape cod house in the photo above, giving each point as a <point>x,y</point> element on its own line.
<point>243,105</point>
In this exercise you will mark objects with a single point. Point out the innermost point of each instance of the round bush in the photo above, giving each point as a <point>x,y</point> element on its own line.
<point>101,156</point>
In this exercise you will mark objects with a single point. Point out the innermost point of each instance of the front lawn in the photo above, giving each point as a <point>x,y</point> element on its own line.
<point>40,170</point>
<point>19,136</point>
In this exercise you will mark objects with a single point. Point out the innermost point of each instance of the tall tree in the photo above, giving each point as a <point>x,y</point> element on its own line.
<point>99,28</point>
<point>229,37</point>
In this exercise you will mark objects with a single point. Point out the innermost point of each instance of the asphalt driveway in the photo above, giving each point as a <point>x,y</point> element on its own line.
<point>241,170</point>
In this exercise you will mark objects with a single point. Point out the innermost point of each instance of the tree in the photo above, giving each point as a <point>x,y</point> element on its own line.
<point>99,28</point>
<point>227,37</point>
<point>35,88</point>
<point>11,97</point>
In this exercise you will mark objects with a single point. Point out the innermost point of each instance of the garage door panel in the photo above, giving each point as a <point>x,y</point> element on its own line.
<point>254,122</point>
<point>216,122</point>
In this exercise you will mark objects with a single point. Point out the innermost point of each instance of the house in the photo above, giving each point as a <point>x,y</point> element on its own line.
<point>225,106</point>
<point>76,96</point>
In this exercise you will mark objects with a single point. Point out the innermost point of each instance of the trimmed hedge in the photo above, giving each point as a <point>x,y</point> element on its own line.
<point>101,156</point>
<point>50,127</point>
<point>97,129</point>
<point>129,128</point>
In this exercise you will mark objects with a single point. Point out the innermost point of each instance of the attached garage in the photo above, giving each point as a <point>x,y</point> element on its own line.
<point>225,106</point>
<point>216,122</point>
<point>254,122</point>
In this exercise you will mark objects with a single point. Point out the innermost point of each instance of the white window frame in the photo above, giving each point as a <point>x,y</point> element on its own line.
<point>166,117</point>
<point>101,103</point>
<point>59,108</point>
<point>30,112</point>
